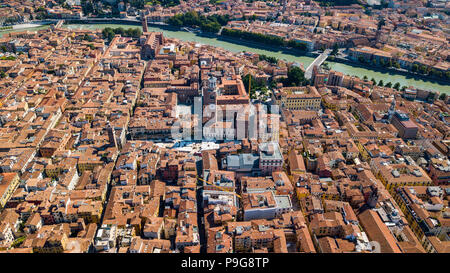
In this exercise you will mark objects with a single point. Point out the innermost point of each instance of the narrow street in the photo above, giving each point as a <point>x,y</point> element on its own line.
<point>200,214</point>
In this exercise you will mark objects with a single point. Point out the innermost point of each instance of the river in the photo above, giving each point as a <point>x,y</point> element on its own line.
<point>378,75</point>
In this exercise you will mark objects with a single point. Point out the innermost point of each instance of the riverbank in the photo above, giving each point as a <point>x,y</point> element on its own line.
<point>4,32</point>
<point>283,50</point>
<point>6,28</point>
<point>240,46</point>
<point>293,51</point>
<point>103,21</point>
<point>390,71</point>
<point>25,26</point>
<point>345,66</point>
<point>28,25</point>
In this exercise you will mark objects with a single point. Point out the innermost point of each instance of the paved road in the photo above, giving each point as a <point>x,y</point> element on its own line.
<point>318,61</point>
<point>200,211</point>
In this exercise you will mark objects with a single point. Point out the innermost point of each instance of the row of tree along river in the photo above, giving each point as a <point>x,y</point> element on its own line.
<point>403,79</point>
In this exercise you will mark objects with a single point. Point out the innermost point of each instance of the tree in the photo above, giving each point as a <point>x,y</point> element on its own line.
<point>211,23</point>
<point>328,3</point>
<point>438,73</point>
<point>432,96</point>
<point>261,38</point>
<point>381,23</point>
<point>380,83</point>
<point>273,84</point>
<point>389,85</point>
<point>365,77</point>
<point>423,69</point>
<point>397,86</point>
<point>254,85</point>
<point>88,38</point>
<point>335,50</point>
<point>396,65</point>
<point>8,58</point>
<point>109,33</point>
<point>120,31</point>
<point>373,81</point>
<point>296,77</point>
<point>297,45</point>
<point>87,7</point>
<point>269,59</point>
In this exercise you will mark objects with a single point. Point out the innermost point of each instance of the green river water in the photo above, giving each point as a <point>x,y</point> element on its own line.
<point>306,60</point>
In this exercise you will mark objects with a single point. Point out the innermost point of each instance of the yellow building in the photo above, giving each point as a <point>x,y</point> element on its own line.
<point>400,175</point>
<point>301,193</point>
<point>54,244</point>
<point>8,184</point>
<point>255,239</point>
<point>89,163</point>
<point>362,151</point>
<point>52,171</point>
<point>400,198</point>
<point>331,196</point>
<point>299,98</point>
<point>328,103</point>
<point>91,213</point>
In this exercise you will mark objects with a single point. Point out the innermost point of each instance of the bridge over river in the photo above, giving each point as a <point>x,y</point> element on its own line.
<point>318,61</point>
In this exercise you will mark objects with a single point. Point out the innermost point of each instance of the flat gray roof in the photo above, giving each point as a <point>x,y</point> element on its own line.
<point>283,201</point>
